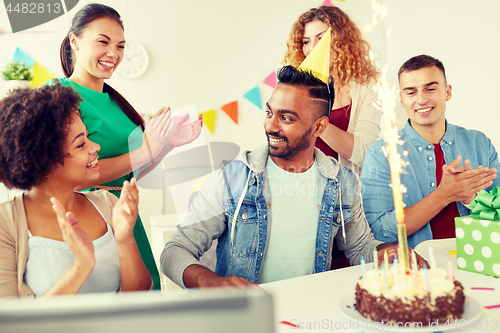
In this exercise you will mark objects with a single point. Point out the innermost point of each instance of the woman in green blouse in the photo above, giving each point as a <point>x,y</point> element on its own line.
<point>90,54</point>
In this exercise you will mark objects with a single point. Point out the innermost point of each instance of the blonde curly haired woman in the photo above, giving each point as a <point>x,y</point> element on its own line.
<point>354,121</point>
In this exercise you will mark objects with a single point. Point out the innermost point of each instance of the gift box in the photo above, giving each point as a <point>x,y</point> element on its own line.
<point>478,235</point>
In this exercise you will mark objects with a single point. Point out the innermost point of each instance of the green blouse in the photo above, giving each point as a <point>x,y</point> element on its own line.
<point>107,125</point>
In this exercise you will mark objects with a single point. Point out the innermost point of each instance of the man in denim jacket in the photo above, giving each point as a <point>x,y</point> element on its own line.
<point>311,198</point>
<point>446,164</point>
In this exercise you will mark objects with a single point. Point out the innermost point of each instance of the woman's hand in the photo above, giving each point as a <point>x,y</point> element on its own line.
<point>155,131</point>
<point>180,135</point>
<point>125,212</point>
<point>161,111</point>
<point>78,241</point>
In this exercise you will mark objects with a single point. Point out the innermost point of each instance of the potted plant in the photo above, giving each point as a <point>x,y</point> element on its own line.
<point>17,75</point>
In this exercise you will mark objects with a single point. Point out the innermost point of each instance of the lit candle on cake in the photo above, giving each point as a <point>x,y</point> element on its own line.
<point>387,103</point>
<point>432,261</point>
<point>427,279</point>
<point>375,258</point>
<point>414,272</point>
<point>386,261</point>
<point>450,271</point>
<point>386,287</point>
<point>414,267</point>
<point>395,267</point>
<point>363,267</point>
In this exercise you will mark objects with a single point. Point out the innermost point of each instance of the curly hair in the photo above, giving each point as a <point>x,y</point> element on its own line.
<point>34,124</point>
<point>350,52</point>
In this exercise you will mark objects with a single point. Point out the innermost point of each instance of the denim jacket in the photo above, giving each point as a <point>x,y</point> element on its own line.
<point>419,176</point>
<point>212,213</point>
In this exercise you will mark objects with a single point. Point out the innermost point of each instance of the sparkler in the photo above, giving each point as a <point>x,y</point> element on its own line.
<point>387,101</point>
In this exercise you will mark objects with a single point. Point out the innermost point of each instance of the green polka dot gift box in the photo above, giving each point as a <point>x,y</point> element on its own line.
<point>478,235</point>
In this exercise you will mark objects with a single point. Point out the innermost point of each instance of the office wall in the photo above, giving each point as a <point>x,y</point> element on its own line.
<point>206,53</point>
<point>210,53</point>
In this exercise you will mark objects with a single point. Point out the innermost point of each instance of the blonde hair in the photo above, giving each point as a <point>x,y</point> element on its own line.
<point>350,52</point>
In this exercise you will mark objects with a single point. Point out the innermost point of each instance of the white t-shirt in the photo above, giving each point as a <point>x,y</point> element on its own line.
<point>291,243</point>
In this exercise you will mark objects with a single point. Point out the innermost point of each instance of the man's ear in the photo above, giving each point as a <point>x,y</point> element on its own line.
<point>320,125</point>
<point>448,92</point>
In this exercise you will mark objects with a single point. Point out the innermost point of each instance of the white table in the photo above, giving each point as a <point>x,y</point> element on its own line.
<point>313,300</point>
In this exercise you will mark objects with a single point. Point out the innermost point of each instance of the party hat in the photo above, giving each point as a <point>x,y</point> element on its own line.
<point>318,61</point>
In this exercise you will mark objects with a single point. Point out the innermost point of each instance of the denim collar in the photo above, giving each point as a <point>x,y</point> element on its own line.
<point>421,144</point>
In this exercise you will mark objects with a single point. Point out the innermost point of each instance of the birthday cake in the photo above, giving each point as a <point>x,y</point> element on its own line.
<point>405,298</point>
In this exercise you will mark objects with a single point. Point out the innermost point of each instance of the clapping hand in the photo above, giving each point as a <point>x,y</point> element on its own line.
<point>179,134</point>
<point>462,184</point>
<point>78,241</point>
<point>125,212</point>
<point>155,131</point>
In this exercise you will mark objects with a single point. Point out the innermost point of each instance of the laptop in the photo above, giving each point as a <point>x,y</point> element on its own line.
<point>142,312</point>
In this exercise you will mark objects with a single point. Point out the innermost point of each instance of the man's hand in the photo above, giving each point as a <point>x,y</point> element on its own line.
<point>392,249</point>
<point>196,276</point>
<point>462,184</point>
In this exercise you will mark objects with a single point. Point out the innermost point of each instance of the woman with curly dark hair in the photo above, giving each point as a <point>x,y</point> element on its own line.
<point>354,121</point>
<point>54,240</point>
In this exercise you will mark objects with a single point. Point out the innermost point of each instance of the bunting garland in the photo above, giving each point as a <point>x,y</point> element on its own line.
<point>209,119</point>
<point>231,109</point>
<point>21,56</point>
<point>271,80</point>
<point>40,75</point>
<point>254,96</point>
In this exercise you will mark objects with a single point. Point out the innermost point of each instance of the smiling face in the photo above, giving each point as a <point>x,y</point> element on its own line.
<point>98,51</point>
<point>424,93</point>
<point>80,164</point>
<point>292,125</point>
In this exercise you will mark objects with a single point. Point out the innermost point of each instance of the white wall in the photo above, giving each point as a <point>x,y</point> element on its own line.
<point>212,52</point>
<point>464,36</point>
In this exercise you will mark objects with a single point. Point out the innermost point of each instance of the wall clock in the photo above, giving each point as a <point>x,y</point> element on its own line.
<point>135,61</point>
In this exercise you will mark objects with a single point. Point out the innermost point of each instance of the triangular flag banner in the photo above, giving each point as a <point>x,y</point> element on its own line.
<point>318,61</point>
<point>338,0</point>
<point>1,30</point>
<point>254,97</point>
<point>23,57</point>
<point>231,109</point>
<point>328,3</point>
<point>40,75</point>
<point>271,80</point>
<point>209,119</point>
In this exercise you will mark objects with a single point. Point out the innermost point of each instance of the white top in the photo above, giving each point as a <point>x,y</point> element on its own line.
<point>292,236</point>
<point>49,259</point>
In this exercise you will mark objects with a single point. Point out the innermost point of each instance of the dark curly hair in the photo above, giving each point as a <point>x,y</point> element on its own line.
<point>33,128</point>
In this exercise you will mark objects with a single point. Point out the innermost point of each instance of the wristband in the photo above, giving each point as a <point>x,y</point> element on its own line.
<point>467,205</point>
